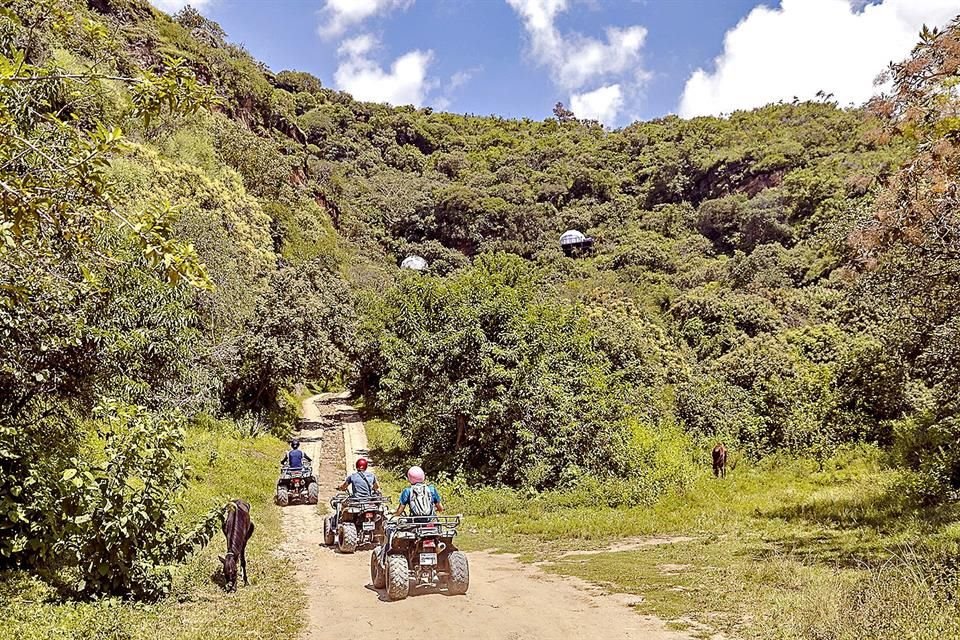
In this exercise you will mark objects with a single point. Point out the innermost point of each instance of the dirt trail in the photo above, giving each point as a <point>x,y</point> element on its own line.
<point>507,600</point>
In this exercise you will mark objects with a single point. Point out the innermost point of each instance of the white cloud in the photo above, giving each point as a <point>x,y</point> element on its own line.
<point>444,100</point>
<point>806,46</point>
<point>172,6</point>
<point>573,59</point>
<point>603,104</point>
<point>340,15</point>
<point>358,46</point>
<point>459,79</point>
<point>359,74</point>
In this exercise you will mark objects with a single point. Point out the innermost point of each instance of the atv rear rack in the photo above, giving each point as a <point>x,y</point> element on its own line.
<point>305,471</point>
<point>365,504</point>
<point>442,526</point>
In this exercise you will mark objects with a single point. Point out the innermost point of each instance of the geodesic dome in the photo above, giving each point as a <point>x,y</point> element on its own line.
<point>572,237</point>
<point>414,263</point>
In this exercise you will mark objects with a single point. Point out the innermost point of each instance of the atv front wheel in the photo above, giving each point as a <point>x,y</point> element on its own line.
<point>398,577</point>
<point>459,580</point>
<point>313,493</point>
<point>348,537</point>
<point>283,498</point>
<point>329,535</point>
<point>377,576</point>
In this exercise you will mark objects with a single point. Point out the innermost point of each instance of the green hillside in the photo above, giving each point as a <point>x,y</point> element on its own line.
<point>186,236</point>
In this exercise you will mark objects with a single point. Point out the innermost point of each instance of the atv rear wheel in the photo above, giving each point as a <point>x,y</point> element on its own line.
<point>348,537</point>
<point>313,493</point>
<point>283,498</point>
<point>398,577</point>
<point>377,576</point>
<point>329,535</point>
<point>459,579</point>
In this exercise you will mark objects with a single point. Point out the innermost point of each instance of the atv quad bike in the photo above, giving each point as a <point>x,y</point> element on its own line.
<point>360,521</point>
<point>420,549</point>
<point>297,485</point>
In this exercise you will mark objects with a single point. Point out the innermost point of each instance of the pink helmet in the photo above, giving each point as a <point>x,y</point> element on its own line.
<point>415,475</point>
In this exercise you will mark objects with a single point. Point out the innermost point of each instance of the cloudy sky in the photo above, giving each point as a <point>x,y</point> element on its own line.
<point>613,60</point>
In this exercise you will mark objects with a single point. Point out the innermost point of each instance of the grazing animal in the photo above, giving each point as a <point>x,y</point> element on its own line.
<point>720,461</point>
<point>237,527</point>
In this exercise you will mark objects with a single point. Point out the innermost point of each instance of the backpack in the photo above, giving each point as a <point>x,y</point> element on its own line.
<point>421,500</point>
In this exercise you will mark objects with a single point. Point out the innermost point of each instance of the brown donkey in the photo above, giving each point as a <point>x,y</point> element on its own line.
<point>720,461</point>
<point>237,527</point>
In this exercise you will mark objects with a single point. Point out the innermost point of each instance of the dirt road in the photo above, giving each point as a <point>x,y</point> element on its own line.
<point>507,600</point>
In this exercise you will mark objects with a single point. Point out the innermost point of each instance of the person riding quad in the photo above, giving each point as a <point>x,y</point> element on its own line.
<point>295,457</point>
<point>362,483</point>
<point>422,498</point>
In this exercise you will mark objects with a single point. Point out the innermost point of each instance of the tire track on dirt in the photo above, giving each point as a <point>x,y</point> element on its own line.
<point>507,600</point>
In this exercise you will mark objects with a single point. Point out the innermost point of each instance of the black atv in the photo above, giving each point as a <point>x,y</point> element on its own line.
<point>421,549</point>
<point>297,485</point>
<point>360,521</point>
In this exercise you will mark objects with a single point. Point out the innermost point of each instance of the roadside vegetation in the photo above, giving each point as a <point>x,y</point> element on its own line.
<point>783,548</point>
<point>222,465</point>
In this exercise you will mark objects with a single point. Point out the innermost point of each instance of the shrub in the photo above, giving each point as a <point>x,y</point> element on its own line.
<point>109,519</point>
<point>926,443</point>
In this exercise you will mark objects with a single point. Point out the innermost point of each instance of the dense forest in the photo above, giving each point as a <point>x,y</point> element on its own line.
<point>185,235</point>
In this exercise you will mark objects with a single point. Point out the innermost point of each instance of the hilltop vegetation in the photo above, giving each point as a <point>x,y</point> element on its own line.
<point>186,234</point>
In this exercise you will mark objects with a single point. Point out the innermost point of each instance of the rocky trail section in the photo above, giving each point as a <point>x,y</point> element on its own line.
<point>507,600</point>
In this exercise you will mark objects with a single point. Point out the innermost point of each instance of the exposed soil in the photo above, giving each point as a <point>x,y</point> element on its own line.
<point>507,600</point>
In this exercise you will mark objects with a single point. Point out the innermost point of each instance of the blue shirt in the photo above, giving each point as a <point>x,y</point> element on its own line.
<point>295,458</point>
<point>405,495</point>
<point>360,487</point>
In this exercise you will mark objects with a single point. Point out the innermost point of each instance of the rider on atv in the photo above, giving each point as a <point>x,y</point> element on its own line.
<point>423,498</point>
<point>295,457</point>
<point>362,483</point>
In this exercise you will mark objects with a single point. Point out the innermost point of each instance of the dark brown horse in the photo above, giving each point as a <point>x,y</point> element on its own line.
<point>237,527</point>
<point>720,461</point>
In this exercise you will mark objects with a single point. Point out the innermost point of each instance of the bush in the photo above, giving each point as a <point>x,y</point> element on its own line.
<point>105,523</point>
<point>490,375</point>
<point>926,443</point>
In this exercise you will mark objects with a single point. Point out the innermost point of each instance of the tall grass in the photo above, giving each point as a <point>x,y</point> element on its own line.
<point>784,548</point>
<point>223,466</point>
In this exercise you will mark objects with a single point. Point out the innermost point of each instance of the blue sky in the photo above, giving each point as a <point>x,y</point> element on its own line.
<point>613,60</point>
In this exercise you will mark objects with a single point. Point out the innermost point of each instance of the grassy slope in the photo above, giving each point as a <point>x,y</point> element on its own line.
<point>779,550</point>
<point>224,467</point>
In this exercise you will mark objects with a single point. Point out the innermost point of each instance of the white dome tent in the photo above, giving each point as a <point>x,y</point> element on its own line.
<point>414,263</point>
<point>575,243</point>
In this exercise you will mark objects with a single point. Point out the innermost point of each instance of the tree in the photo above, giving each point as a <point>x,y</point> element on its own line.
<point>909,251</point>
<point>93,304</point>
<point>562,114</point>
<point>302,330</point>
